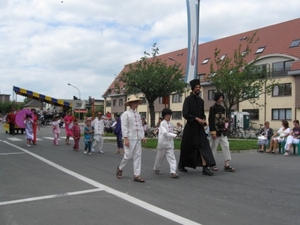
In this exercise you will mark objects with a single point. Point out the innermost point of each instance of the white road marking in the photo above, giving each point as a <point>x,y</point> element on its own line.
<point>15,139</point>
<point>49,196</point>
<point>133,200</point>
<point>12,153</point>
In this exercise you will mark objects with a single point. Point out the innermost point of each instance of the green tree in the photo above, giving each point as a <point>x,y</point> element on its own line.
<point>153,77</point>
<point>239,79</point>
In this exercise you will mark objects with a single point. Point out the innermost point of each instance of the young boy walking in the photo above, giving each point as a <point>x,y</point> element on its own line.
<point>133,134</point>
<point>165,146</point>
<point>76,134</point>
<point>88,136</point>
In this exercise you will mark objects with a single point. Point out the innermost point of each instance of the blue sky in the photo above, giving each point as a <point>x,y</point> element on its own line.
<point>46,44</point>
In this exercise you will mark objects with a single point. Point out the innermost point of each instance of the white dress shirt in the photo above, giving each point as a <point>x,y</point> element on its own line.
<point>166,135</point>
<point>98,126</point>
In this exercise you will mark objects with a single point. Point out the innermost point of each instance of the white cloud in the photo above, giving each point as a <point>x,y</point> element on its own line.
<point>46,44</point>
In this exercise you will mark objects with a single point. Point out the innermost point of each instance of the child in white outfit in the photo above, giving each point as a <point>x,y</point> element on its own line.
<point>165,146</point>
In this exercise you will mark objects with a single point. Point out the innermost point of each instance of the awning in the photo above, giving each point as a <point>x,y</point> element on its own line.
<point>41,97</point>
<point>80,110</point>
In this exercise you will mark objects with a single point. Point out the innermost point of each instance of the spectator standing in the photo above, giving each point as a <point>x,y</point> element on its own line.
<point>11,119</point>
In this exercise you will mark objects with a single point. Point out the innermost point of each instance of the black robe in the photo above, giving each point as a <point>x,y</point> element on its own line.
<point>194,139</point>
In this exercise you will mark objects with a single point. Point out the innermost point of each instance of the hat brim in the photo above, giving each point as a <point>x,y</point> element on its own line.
<point>133,100</point>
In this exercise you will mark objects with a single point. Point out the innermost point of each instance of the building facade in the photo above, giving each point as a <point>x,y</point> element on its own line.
<point>278,51</point>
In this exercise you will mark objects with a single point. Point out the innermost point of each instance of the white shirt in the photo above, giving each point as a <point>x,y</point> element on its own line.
<point>131,125</point>
<point>165,135</point>
<point>282,132</point>
<point>98,126</point>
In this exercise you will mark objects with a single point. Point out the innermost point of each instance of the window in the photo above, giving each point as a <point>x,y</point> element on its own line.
<point>281,114</point>
<point>295,43</point>
<point>177,115</point>
<point>144,101</point>
<point>143,114</point>
<point>200,76</point>
<point>114,102</point>
<point>211,94</point>
<point>205,61</point>
<point>223,57</point>
<point>120,102</point>
<point>176,98</point>
<point>282,90</point>
<point>108,103</point>
<point>160,100</point>
<point>254,113</point>
<point>260,50</point>
<point>281,68</point>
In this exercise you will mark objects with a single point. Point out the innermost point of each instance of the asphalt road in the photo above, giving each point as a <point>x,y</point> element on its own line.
<point>48,184</point>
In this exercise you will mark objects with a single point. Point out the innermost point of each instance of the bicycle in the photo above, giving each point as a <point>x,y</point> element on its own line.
<point>251,131</point>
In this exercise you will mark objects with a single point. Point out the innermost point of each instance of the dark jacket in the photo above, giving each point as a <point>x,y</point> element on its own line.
<point>194,140</point>
<point>216,120</point>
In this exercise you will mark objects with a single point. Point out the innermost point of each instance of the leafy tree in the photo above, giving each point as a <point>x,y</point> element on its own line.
<point>238,79</point>
<point>152,77</point>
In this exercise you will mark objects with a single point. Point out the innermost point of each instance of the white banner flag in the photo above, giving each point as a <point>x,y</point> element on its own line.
<point>193,36</point>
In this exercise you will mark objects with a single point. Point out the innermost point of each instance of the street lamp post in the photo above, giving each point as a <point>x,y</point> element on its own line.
<point>77,89</point>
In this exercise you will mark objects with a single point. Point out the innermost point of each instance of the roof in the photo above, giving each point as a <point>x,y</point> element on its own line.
<point>276,40</point>
<point>33,103</point>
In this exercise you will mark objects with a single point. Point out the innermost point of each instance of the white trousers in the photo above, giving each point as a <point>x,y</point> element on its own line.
<point>134,151</point>
<point>169,154</point>
<point>98,142</point>
<point>223,141</point>
<point>289,141</point>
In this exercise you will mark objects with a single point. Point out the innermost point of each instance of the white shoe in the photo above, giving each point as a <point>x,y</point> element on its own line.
<point>100,151</point>
<point>90,153</point>
<point>93,149</point>
<point>28,145</point>
<point>286,153</point>
<point>85,152</point>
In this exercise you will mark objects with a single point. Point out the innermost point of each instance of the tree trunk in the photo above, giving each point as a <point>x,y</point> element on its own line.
<point>152,114</point>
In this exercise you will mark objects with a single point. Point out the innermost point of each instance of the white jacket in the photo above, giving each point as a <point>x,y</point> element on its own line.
<point>131,125</point>
<point>165,135</point>
<point>98,126</point>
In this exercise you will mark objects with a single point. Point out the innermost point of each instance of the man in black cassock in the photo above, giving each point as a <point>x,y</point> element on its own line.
<point>195,148</point>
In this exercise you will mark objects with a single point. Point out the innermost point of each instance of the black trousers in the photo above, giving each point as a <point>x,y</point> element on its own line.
<point>11,128</point>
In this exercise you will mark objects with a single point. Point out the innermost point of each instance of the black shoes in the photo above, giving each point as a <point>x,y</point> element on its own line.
<point>182,169</point>
<point>207,172</point>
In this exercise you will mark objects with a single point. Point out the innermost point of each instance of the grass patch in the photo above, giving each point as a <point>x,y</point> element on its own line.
<point>237,144</point>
